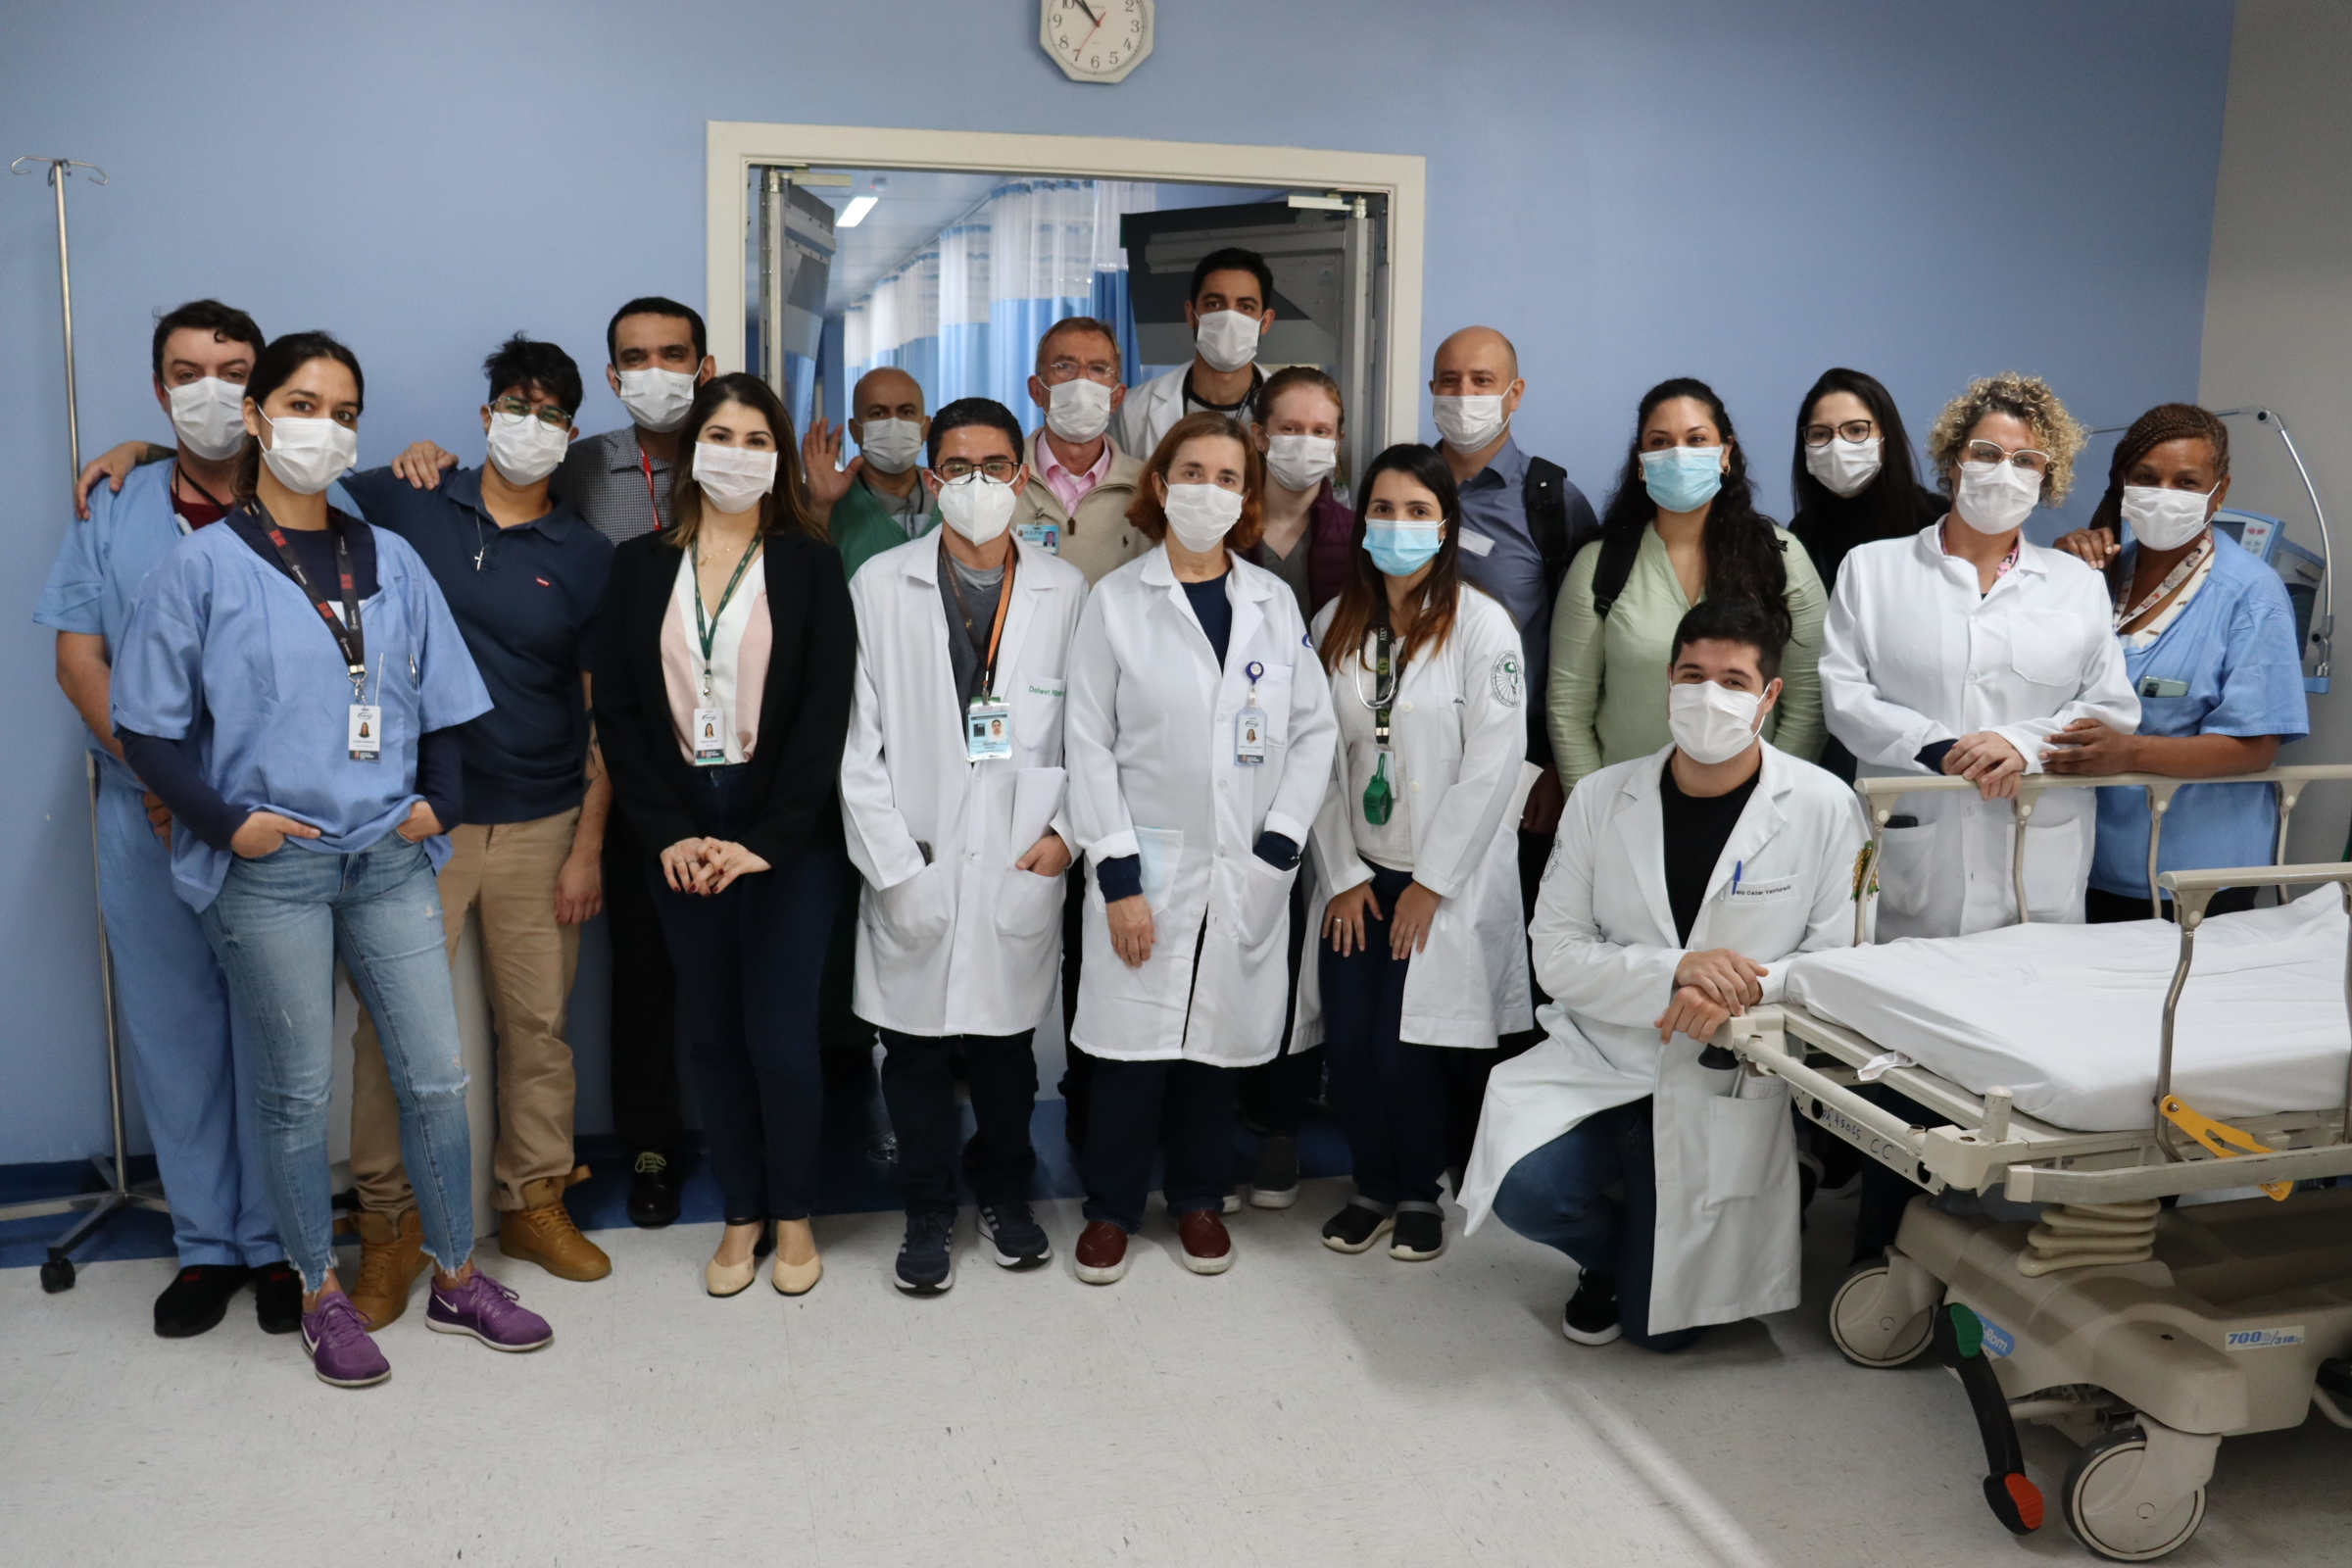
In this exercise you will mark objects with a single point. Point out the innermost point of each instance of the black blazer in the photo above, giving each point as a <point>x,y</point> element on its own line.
<point>803,712</point>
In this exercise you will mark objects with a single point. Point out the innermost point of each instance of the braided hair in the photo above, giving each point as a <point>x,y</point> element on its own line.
<point>2167,421</point>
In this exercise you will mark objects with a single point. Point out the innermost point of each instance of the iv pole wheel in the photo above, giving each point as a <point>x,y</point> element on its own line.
<point>57,1274</point>
<point>2107,1511</point>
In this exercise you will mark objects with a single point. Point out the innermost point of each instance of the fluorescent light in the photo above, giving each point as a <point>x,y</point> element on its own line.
<point>854,213</point>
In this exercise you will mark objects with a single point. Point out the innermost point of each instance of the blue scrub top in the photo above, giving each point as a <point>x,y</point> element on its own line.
<point>102,561</point>
<point>220,648</point>
<point>2235,645</point>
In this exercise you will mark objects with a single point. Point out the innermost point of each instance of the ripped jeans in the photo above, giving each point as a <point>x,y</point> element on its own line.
<point>277,926</point>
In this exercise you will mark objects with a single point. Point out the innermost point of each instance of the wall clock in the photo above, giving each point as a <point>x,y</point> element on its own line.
<point>1096,41</point>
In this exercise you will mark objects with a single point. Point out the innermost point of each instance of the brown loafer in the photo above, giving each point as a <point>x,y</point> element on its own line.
<point>1101,1253</point>
<point>1207,1245</point>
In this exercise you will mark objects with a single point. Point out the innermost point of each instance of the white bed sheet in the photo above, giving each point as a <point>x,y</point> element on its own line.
<point>2070,1016</point>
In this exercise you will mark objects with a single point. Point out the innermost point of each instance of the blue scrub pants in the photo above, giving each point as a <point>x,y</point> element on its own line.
<point>279,924</point>
<point>190,1053</point>
<point>1560,1195</point>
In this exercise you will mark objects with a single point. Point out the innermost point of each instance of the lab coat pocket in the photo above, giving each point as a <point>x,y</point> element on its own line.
<point>917,910</point>
<point>1263,898</point>
<point>1274,698</point>
<point>1028,903</point>
<point>2037,659</point>
<point>1160,850</point>
<point>1037,704</point>
<point>2056,868</point>
<point>1905,872</point>
<point>1745,1137</point>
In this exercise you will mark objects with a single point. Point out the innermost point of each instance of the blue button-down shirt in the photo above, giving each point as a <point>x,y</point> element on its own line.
<point>525,600</point>
<point>1499,554</point>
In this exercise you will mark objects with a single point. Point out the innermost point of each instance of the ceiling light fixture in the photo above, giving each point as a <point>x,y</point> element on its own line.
<point>854,213</point>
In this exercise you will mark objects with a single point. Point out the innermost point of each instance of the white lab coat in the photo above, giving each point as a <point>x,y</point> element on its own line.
<point>1458,731</point>
<point>1915,655</point>
<point>1150,736</point>
<point>1606,951</point>
<point>1150,412</point>
<point>968,943</point>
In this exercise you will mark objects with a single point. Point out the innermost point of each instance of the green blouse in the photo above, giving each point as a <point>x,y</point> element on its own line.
<point>1609,676</point>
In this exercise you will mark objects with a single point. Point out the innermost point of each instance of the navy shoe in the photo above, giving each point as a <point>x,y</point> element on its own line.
<point>927,1258</point>
<point>1019,1240</point>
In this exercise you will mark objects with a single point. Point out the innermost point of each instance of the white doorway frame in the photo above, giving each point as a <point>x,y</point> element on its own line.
<point>733,147</point>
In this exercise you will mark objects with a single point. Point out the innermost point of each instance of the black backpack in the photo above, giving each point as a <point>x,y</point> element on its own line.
<point>1547,506</point>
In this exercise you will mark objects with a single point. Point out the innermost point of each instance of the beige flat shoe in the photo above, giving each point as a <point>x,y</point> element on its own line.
<point>730,1279</point>
<point>795,1279</point>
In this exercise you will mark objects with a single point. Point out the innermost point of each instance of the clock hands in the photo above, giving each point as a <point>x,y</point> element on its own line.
<point>1088,5</point>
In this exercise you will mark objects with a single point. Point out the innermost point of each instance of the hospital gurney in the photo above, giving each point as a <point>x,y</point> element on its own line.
<point>2145,1334</point>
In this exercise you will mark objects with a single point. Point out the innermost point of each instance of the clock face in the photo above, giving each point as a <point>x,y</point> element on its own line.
<point>1096,41</point>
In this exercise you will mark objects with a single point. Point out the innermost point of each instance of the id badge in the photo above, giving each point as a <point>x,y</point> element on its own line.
<point>366,732</point>
<point>986,736</point>
<point>709,738</point>
<point>1045,536</point>
<point>1250,737</point>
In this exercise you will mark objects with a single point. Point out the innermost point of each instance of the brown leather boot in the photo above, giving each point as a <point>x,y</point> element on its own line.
<point>391,1259</point>
<point>541,1231</point>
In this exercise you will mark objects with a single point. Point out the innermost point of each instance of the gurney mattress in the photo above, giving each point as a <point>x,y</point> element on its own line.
<point>2068,1016</point>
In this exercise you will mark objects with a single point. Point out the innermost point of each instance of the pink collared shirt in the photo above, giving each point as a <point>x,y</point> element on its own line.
<point>1070,488</point>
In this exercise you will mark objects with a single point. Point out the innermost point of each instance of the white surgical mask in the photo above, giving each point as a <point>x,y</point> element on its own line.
<point>1200,516</point>
<point>1470,424</point>
<point>208,418</point>
<point>2164,519</point>
<point>1996,497</point>
<point>308,455</point>
<point>656,400</point>
<point>1227,339</point>
<point>976,505</point>
<point>1712,723</point>
<point>1301,462</point>
<point>733,478</point>
<point>1844,466</point>
<point>1078,410</point>
<point>525,448</point>
<point>891,445</point>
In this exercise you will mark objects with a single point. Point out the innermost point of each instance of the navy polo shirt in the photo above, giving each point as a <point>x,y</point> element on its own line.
<point>528,614</point>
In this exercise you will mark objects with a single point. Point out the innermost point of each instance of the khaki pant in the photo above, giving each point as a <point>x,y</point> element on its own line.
<point>508,871</point>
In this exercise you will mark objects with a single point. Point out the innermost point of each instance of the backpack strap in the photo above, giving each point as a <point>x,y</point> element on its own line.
<point>1615,567</point>
<point>1547,507</point>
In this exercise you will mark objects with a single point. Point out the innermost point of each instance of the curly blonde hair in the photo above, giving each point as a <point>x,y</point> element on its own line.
<point>2025,397</point>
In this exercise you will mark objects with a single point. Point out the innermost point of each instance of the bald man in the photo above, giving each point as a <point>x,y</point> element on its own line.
<point>1522,524</point>
<point>877,501</point>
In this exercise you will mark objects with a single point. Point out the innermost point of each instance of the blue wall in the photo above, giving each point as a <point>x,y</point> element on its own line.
<point>1740,191</point>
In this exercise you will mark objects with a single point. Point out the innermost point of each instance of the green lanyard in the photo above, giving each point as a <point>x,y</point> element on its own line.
<point>707,628</point>
<point>1380,796</point>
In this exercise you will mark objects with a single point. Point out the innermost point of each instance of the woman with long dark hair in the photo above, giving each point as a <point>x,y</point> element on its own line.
<point>290,684</point>
<point>1682,526</point>
<point>722,698</point>
<point>1426,681</point>
<point>1853,473</point>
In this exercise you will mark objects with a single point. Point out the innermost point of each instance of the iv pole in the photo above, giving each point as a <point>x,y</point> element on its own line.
<point>117,1195</point>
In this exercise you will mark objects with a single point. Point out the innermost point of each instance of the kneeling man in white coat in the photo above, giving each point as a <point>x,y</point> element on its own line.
<point>953,790</point>
<point>1680,884</point>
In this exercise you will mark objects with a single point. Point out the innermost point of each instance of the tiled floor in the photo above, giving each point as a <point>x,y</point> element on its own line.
<point>1302,1409</point>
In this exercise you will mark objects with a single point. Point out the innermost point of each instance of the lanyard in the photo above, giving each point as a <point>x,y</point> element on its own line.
<point>1380,794</point>
<point>988,668</point>
<point>2173,579</point>
<point>647,464</point>
<point>180,475</point>
<point>707,628</point>
<point>349,635</point>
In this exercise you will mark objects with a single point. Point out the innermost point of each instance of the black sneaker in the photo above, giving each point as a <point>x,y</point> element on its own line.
<point>926,1258</point>
<point>1274,1179</point>
<point>1590,1317</point>
<point>197,1298</point>
<point>277,1297</point>
<point>1356,1227</point>
<point>654,1194</point>
<point>1420,1236</point>
<point>1019,1240</point>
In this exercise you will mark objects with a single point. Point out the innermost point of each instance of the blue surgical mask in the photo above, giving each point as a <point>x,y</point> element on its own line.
<point>1683,478</point>
<point>1401,549</point>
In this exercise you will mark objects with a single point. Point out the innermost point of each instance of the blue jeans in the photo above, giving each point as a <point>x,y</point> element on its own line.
<point>278,925</point>
<point>1388,1094</point>
<point>1560,1195</point>
<point>190,1051</point>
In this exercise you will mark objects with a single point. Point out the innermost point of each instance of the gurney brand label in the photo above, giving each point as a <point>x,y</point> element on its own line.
<point>1999,1341</point>
<point>2262,1339</point>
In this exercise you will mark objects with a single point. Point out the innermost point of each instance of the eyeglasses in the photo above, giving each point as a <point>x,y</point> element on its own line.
<point>1106,371</point>
<point>1819,435</point>
<point>549,415</point>
<point>1000,469</point>
<point>2026,457</point>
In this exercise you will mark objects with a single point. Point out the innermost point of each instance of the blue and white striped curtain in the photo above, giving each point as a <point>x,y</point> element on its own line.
<point>963,317</point>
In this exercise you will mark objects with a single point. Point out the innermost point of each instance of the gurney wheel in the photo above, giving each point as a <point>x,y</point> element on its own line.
<point>2107,1514</point>
<point>1864,1324</point>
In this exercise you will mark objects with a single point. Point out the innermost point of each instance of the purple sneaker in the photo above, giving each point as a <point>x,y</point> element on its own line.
<point>341,1353</point>
<point>487,1310</point>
